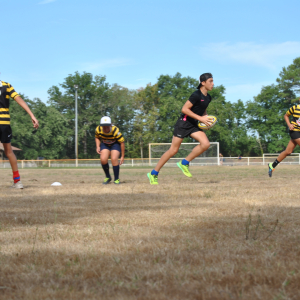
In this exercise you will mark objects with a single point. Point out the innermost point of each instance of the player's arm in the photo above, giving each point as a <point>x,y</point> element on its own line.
<point>186,109</point>
<point>97,141</point>
<point>287,120</point>
<point>23,104</point>
<point>122,153</point>
<point>287,117</point>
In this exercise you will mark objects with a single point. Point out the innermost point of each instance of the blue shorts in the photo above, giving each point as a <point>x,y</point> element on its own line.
<point>114,146</point>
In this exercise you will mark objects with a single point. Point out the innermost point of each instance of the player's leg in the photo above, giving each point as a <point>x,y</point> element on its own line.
<point>201,137</point>
<point>176,142</point>
<point>289,150</point>
<point>105,153</point>
<point>14,165</point>
<point>114,156</point>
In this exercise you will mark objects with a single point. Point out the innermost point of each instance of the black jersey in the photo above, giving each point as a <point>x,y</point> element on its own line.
<point>6,92</point>
<point>200,104</point>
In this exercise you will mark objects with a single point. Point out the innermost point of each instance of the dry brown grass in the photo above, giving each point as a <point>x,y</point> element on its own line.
<point>226,233</point>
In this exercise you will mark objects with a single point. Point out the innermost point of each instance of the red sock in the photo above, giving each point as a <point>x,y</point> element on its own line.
<point>16,176</point>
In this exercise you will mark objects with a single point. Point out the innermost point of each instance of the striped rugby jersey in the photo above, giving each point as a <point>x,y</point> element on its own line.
<point>6,92</point>
<point>109,138</point>
<point>294,111</point>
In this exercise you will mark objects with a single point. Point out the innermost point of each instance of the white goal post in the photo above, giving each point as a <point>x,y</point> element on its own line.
<point>209,157</point>
<point>293,158</point>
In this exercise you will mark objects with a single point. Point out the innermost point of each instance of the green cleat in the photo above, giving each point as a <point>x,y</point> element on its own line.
<point>184,169</point>
<point>153,178</point>
<point>271,169</point>
<point>117,181</point>
<point>107,180</point>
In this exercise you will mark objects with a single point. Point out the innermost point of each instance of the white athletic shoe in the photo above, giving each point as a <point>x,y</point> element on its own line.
<point>17,185</point>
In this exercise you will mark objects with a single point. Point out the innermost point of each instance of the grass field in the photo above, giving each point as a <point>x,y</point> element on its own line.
<point>226,233</point>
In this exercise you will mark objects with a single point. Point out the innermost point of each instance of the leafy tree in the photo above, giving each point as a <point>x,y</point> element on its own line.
<point>289,82</point>
<point>93,98</point>
<point>266,119</point>
<point>231,130</point>
<point>49,141</point>
<point>121,108</point>
<point>145,129</point>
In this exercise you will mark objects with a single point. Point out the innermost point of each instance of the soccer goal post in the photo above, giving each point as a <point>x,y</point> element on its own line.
<point>209,157</point>
<point>293,158</point>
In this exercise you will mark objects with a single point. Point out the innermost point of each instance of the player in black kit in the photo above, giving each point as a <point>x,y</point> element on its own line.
<point>193,111</point>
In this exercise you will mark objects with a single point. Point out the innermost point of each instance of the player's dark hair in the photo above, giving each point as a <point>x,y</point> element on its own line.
<point>204,77</point>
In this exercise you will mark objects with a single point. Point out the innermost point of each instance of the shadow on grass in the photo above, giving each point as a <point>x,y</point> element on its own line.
<point>62,209</point>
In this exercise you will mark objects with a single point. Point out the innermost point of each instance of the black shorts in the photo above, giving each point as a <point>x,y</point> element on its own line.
<point>114,146</point>
<point>184,128</point>
<point>294,135</point>
<point>5,134</point>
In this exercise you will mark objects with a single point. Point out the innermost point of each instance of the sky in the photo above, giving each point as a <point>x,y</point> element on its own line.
<point>244,44</point>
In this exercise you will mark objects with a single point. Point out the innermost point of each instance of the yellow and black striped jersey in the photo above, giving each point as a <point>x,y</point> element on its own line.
<point>109,138</point>
<point>294,111</point>
<point>6,92</point>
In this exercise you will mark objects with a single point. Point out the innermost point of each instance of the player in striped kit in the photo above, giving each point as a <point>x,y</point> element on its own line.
<point>294,127</point>
<point>110,142</point>
<point>7,92</point>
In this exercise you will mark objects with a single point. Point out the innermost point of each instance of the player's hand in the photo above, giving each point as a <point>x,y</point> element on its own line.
<point>121,161</point>
<point>291,127</point>
<point>98,150</point>
<point>206,120</point>
<point>35,122</point>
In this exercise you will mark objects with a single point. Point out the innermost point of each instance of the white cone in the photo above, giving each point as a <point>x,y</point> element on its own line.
<point>56,184</point>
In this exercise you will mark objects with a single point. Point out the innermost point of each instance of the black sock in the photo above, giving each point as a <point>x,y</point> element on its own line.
<point>106,170</point>
<point>275,163</point>
<point>116,172</point>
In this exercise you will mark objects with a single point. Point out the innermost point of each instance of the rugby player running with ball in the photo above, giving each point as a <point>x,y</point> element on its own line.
<point>7,92</point>
<point>110,142</point>
<point>294,131</point>
<point>193,111</point>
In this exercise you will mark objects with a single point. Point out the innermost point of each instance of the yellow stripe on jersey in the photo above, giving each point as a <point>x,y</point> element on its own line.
<point>7,92</point>
<point>294,111</point>
<point>109,138</point>
<point>14,95</point>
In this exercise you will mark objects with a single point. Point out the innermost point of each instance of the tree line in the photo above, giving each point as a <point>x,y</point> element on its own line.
<point>148,115</point>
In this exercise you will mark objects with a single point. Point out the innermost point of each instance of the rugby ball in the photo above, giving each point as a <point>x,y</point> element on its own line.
<point>212,123</point>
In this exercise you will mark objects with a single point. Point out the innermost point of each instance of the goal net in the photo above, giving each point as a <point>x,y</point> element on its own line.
<point>209,157</point>
<point>293,158</point>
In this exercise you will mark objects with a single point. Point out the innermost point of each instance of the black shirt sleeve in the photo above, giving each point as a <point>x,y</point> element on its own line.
<point>193,98</point>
